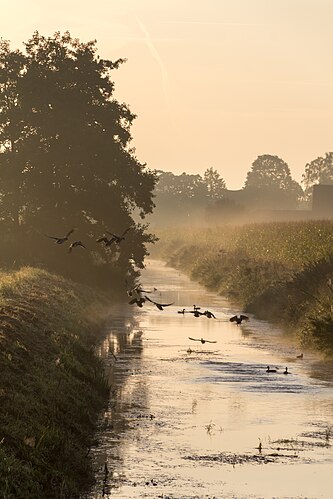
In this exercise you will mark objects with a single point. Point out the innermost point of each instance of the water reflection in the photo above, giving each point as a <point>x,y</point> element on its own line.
<point>186,424</point>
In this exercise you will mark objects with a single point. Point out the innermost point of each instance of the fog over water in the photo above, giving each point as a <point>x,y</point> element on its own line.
<point>186,420</point>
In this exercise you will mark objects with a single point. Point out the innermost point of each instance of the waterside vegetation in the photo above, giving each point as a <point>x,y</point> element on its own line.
<point>52,384</point>
<point>282,272</point>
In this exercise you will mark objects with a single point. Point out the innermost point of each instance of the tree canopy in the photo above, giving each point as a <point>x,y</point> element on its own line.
<point>270,176</point>
<point>65,155</point>
<point>318,171</point>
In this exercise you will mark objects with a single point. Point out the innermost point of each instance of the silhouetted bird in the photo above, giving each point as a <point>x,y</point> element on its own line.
<point>75,244</point>
<point>138,301</point>
<point>239,319</point>
<point>105,240</point>
<point>269,370</point>
<point>183,311</point>
<point>209,314</point>
<point>159,305</point>
<point>201,340</point>
<point>117,238</point>
<point>61,240</point>
<point>196,308</point>
<point>286,371</point>
<point>300,356</point>
<point>196,313</point>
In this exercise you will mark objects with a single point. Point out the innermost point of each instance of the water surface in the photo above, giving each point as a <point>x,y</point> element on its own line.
<point>192,420</point>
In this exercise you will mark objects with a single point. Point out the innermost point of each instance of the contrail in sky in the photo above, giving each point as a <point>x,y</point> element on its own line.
<point>156,56</point>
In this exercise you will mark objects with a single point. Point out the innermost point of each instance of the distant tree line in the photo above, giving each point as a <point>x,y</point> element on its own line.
<point>196,199</point>
<point>66,161</point>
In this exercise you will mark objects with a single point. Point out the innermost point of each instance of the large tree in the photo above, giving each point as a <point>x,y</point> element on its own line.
<point>318,171</point>
<point>65,155</point>
<point>270,182</point>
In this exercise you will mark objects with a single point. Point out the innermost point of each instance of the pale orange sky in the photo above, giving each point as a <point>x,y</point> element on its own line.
<point>214,83</point>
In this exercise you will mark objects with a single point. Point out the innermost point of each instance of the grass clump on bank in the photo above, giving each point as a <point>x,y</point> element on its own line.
<point>280,271</point>
<point>52,385</point>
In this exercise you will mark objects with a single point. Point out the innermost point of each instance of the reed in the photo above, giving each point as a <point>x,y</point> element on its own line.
<point>282,272</point>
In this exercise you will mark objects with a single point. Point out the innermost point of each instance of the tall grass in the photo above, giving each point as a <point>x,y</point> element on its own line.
<point>279,271</point>
<point>51,386</point>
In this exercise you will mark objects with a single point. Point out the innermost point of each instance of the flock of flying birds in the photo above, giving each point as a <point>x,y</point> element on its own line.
<point>140,294</point>
<point>140,297</point>
<point>108,241</point>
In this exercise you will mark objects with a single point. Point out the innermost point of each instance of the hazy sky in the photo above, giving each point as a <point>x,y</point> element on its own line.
<point>213,83</point>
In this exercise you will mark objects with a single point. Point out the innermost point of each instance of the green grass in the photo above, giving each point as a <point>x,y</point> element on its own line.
<point>282,272</point>
<point>52,385</point>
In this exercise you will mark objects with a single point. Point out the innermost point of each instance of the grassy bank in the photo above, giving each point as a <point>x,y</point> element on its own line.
<point>51,386</point>
<point>282,272</point>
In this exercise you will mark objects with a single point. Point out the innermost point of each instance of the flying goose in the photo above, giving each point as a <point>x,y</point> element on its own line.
<point>75,244</point>
<point>209,314</point>
<point>159,305</point>
<point>196,313</point>
<point>61,240</point>
<point>117,238</point>
<point>105,240</point>
<point>202,340</point>
<point>239,319</point>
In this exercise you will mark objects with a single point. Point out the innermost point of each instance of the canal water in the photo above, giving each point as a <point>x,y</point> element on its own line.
<point>191,420</point>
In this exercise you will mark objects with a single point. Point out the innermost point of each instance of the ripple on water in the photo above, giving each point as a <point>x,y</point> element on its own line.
<point>254,378</point>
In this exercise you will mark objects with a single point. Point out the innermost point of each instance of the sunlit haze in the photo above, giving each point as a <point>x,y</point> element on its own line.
<point>214,83</point>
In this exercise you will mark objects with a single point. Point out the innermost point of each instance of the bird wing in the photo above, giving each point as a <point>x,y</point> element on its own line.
<point>70,232</point>
<point>125,231</point>
<point>53,237</point>
<point>194,339</point>
<point>160,304</point>
<point>151,301</point>
<point>244,317</point>
<point>102,240</point>
<point>233,319</point>
<point>207,341</point>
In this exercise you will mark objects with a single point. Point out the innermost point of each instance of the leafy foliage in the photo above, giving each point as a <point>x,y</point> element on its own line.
<point>270,177</point>
<point>318,171</point>
<point>65,156</point>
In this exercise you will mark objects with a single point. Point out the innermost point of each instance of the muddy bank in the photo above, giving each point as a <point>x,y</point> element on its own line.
<point>52,384</point>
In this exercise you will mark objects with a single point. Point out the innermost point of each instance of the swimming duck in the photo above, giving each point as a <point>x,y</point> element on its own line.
<point>286,371</point>
<point>269,370</point>
<point>183,311</point>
